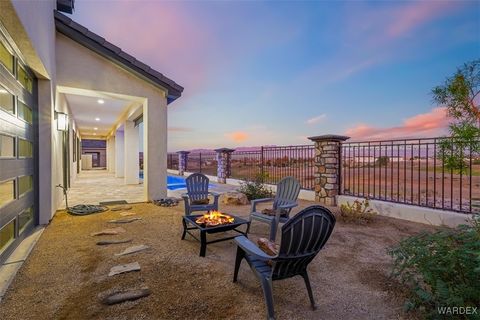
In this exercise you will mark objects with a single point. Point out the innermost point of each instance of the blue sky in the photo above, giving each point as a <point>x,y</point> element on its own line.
<point>276,72</point>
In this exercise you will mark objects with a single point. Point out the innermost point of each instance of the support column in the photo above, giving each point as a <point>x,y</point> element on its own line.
<point>111,154</point>
<point>223,164</point>
<point>131,153</point>
<point>182,161</point>
<point>155,147</point>
<point>327,167</point>
<point>119,154</point>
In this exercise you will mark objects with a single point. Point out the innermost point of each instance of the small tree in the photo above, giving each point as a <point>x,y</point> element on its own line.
<point>460,95</point>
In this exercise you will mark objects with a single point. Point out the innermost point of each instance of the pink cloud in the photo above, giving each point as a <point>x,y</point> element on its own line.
<point>237,136</point>
<point>316,119</point>
<point>430,124</point>
<point>414,14</point>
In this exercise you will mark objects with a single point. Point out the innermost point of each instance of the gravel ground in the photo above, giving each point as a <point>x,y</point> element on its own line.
<point>66,275</point>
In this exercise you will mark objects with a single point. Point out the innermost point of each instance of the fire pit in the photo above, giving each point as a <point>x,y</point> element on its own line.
<point>214,218</point>
<point>212,222</point>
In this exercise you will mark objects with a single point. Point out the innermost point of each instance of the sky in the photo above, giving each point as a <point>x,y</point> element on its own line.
<point>274,73</point>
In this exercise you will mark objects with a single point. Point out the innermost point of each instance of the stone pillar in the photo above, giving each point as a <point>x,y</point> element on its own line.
<point>119,154</point>
<point>182,161</point>
<point>327,167</point>
<point>223,164</point>
<point>131,156</point>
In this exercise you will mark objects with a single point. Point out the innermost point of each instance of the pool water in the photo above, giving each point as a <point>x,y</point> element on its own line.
<point>173,182</point>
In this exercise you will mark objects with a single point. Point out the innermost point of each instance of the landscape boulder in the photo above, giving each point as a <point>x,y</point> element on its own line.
<point>234,198</point>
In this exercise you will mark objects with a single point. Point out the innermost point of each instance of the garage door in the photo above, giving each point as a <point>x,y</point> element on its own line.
<point>18,151</point>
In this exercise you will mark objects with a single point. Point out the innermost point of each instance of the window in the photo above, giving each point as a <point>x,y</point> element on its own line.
<point>25,184</point>
<point>7,146</point>
<point>6,58</point>
<point>25,148</point>
<point>7,100</point>
<point>24,219</point>
<point>24,112</point>
<point>7,192</point>
<point>7,234</point>
<point>24,78</point>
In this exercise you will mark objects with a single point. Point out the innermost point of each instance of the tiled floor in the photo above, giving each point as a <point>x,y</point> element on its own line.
<point>94,186</point>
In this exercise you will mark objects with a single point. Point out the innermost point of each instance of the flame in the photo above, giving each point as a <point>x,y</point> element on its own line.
<point>214,218</point>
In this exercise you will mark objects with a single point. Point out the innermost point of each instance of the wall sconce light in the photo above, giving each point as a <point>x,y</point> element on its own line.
<point>62,121</point>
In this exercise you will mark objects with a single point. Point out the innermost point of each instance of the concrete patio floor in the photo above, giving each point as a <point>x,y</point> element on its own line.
<point>94,186</point>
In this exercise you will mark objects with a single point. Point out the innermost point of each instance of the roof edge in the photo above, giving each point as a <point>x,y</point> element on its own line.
<point>99,45</point>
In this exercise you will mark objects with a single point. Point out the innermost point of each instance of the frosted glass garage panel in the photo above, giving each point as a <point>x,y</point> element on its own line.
<point>7,100</point>
<point>6,58</point>
<point>7,192</point>
<point>25,148</point>
<point>25,219</point>
<point>7,235</point>
<point>25,184</point>
<point>7,146</point>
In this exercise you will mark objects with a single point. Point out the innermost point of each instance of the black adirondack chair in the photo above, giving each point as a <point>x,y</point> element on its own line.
<point>285,199</point>
<point>197,192</point>
<point>302,238</point>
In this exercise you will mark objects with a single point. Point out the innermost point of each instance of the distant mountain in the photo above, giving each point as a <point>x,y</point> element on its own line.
<point>236,149</point>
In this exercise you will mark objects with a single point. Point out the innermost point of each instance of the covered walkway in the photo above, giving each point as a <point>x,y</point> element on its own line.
<point>94,186</point>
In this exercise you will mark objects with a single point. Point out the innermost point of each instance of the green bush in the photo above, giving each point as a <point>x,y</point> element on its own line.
<point>359,212</point>
<point>441,269</point>
<point>255,189</point>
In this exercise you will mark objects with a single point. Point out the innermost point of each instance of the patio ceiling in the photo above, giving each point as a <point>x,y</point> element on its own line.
<point>94,118</point>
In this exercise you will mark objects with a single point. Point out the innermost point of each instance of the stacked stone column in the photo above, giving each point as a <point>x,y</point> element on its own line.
<point>182,162</point>
<point>327,167</point>
<point>223,164</point>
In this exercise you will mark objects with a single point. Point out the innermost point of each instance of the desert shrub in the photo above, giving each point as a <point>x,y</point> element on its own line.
<point>255,189</point>
<point>440,269</point>
<point>359,212</point>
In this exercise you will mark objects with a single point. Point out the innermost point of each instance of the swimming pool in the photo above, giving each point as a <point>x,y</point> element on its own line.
<point>174,183</point>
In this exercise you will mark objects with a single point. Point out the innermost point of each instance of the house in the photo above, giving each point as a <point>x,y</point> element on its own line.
<point>61,83</point>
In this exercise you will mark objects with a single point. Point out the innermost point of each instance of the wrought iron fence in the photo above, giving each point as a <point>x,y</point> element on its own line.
<point>270,164</point>
<point>202,162</point>
<point>411,171</point>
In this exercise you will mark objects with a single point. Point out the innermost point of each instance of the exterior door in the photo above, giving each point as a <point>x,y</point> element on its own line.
<point>18,148</point>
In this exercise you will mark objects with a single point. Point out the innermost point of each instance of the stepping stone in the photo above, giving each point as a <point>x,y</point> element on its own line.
<point>134,266</point>
<point>128,295</point>
<point>121,208</point>
<point>108,232</point>
<point>132,249</point>
<point>107,242</point>
<point>126,214</point>
<point>124,220</point>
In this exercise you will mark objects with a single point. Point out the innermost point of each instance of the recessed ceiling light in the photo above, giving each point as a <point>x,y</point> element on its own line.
<point>3,91</point>
<point>97,119</point>
<point>95,128</point>
<point>94,133</point>
<point>101,101</point>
